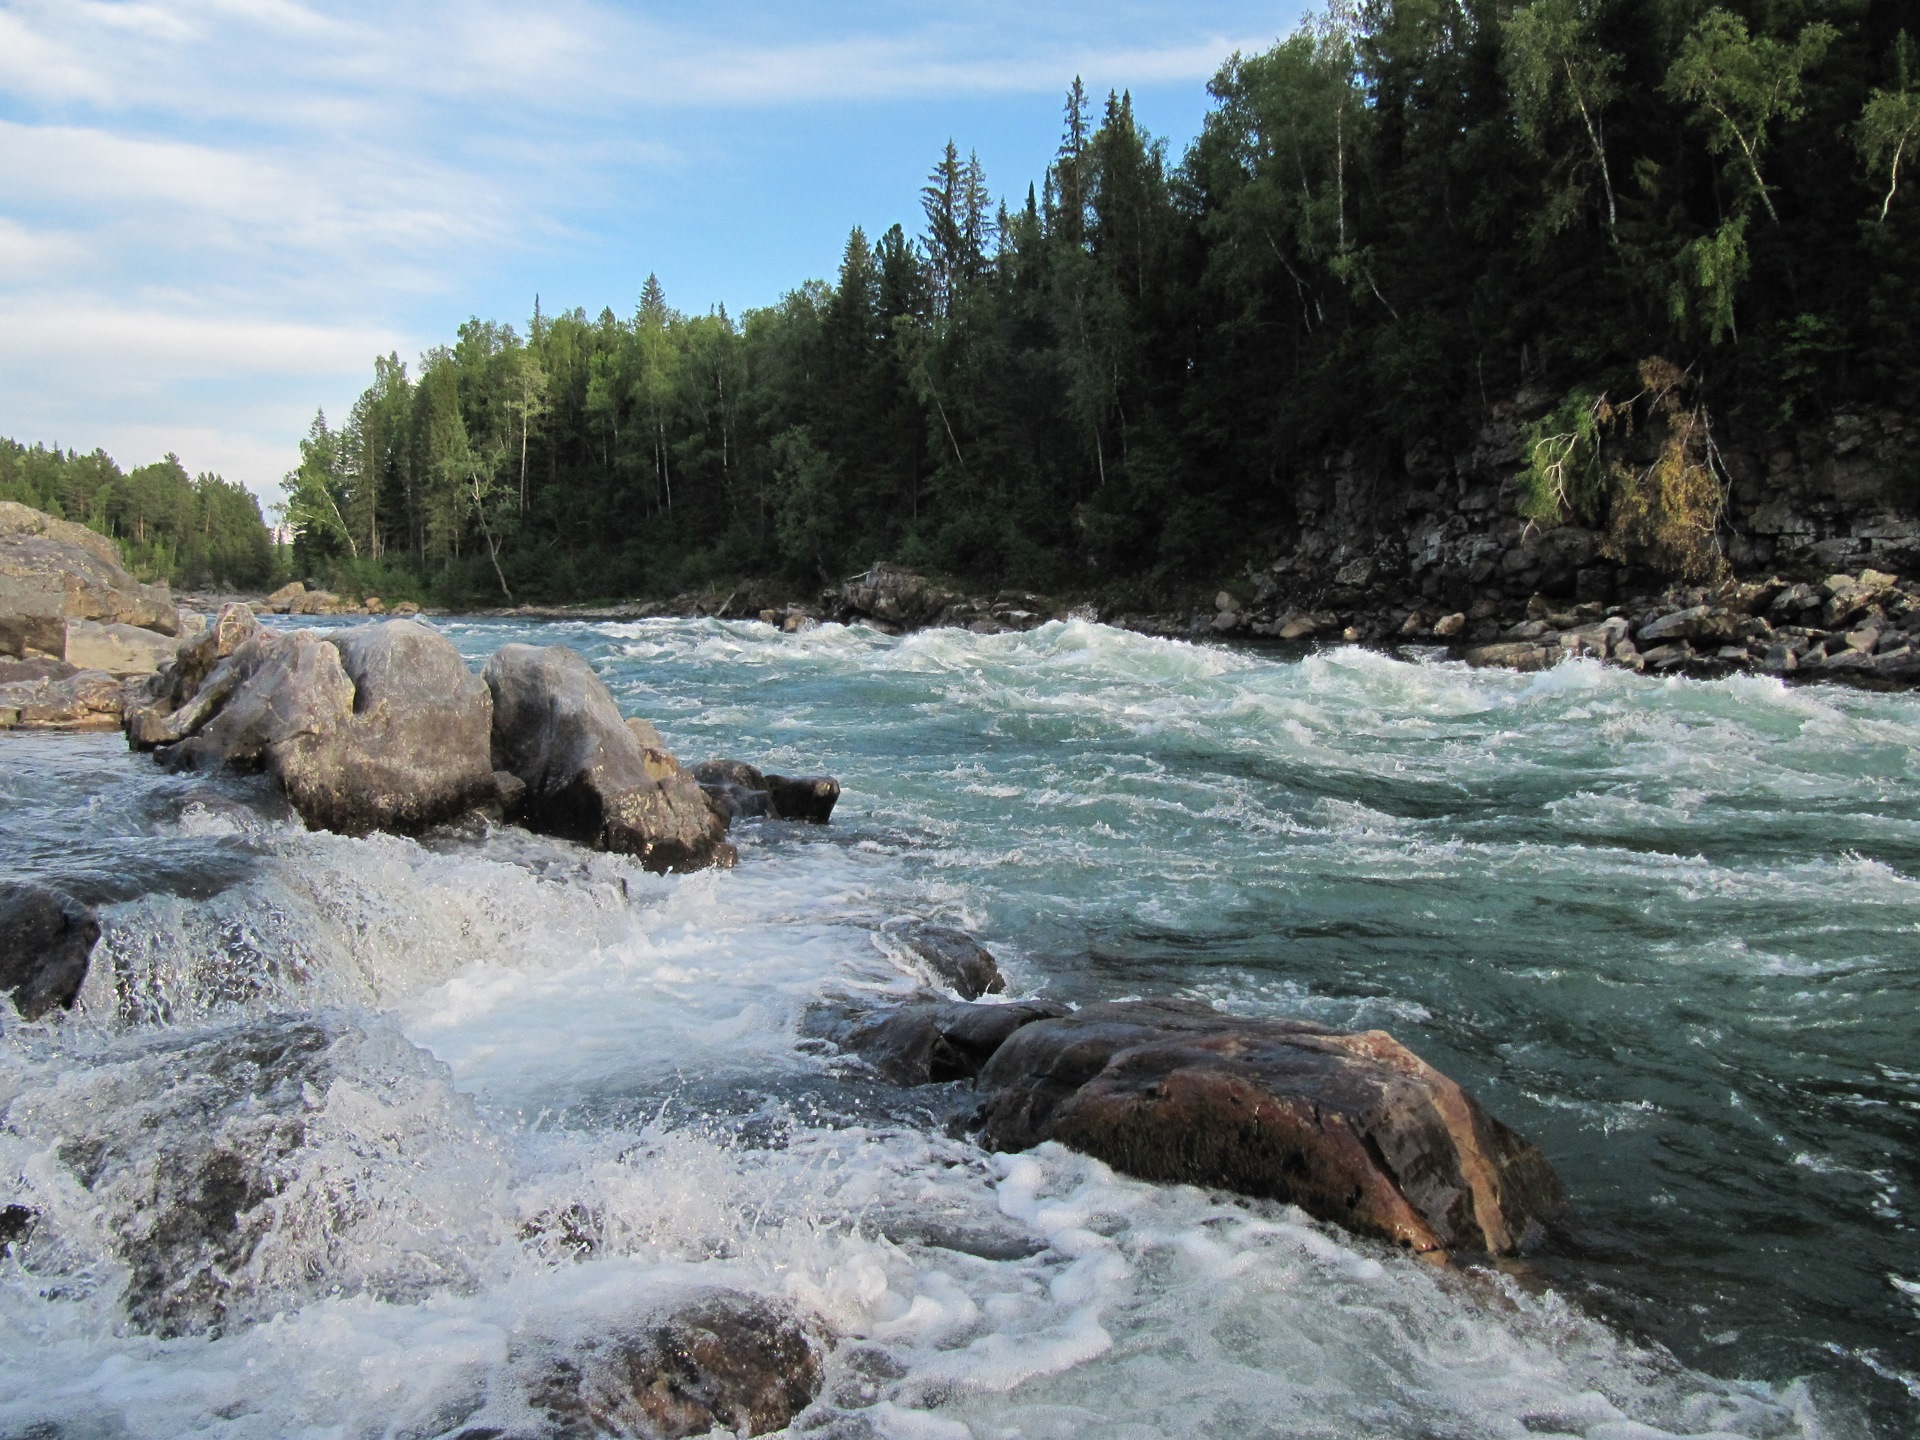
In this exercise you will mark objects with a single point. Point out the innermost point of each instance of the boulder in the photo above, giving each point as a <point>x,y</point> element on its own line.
<point>952,958</point>
<point>739,791</point>
<point>282,601</point>
<point>556,727</point>
<point>381,727</point>
<point>1354,1128</point>
<point>53,571</point>
<point>929,1042</point>
<point>116,649</point>
<point>710,1360</point>
<point>46,941</point>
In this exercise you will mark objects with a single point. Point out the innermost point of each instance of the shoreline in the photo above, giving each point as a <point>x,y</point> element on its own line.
<point>1860,629</point>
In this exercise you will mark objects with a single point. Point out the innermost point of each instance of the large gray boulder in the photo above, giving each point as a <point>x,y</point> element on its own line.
<point>588,777</point>
<point>53,571</point>
<point>1353,1128</point>
<point>46,941</point>
<point>381,727</point>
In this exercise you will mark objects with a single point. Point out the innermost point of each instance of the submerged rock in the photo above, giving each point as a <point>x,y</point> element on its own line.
<point>1353,1128</point>
<point>929,1042</point>
<point>381,727</point>
<point>740,792</point>
<point>712,1359</point>
<point>46,942</point>
<point>952,958</point>
<point>556,727</point>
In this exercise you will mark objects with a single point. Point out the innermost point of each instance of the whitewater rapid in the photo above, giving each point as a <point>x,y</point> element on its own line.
<point>1665,928</point>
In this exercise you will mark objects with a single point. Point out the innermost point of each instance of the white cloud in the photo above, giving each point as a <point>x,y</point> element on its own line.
<point>194,192</point>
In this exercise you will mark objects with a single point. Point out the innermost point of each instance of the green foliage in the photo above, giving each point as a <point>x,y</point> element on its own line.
<point>1564,480</point>
<point>201,530</point>
<point>1889,126</point>
<point>1392,220</point>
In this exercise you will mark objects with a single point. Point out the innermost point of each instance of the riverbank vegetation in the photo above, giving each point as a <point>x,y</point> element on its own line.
<point>199,530</point>
<point>1395,219</point>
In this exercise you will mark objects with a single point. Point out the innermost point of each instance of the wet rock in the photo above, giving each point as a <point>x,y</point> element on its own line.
<point>952,958</point>
<point>929,1042</point>
<point>53,571</point>
<point>1514,655</point>
<point>709,1360</point>
<point>740,791</point>
<point>46,942</point>
<point>381,727</point>
<point>1353,1128</point>
<point>556,727</point>
<point>16,1225</point>
<point>807,798</point>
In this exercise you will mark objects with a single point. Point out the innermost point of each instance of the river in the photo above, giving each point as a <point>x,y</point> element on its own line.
<point>1668,930</point>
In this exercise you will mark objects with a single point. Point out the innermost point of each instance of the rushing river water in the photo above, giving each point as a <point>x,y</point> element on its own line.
<point>1668,930</point>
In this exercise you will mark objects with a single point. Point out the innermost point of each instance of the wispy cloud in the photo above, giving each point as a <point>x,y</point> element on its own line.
<point>258,194</point>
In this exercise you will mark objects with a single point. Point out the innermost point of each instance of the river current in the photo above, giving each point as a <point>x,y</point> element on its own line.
<point>1669,930</point>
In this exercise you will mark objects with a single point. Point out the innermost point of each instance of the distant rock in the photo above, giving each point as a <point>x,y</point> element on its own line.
<point>1353,1128</point>
<point>557,728</point>
<point>116,649</point>
<point>46,942</point>
<point>82,700</point>
<point>53,571</point>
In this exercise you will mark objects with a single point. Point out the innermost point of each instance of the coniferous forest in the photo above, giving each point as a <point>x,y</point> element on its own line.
<point>192,531</point>
<point>1397,217</point>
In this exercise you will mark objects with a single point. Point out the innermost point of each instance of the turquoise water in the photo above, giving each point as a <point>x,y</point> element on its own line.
<point>1667,929</point>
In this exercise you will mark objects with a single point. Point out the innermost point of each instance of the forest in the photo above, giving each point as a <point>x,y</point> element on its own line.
<point>1402,214</point>
<point>186,531</point>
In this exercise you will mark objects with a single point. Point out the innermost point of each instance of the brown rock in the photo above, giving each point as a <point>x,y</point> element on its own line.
<point>83,700</point>
<point>1353,1128</point>
<point>714,1359</point>
<point>1448,626</point>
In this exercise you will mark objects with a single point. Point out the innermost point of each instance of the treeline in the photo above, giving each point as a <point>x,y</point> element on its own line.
<point>187,531</point>
<point>1397,217</point>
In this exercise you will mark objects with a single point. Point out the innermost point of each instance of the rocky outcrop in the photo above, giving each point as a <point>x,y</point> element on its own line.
<point>79,700</point>
<point>556,727</point>
<point>53,571</point>
<point>381,727</point>
<point>739,791</point>
<point>928,1042</point>
<point>1354,1128</point>
<point>46,943</point>
<point>948,957</point>
<point>708,1360</point>
<point>116,649</point>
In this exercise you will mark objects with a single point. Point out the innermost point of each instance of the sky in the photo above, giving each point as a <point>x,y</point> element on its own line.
<point>214,213</point>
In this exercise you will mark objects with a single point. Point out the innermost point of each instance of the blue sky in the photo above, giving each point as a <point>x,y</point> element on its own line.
<point>213,213</point>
